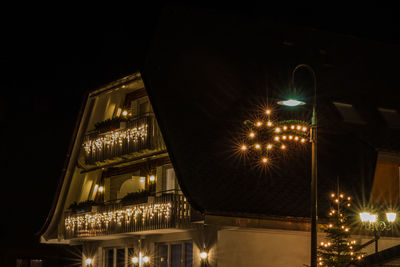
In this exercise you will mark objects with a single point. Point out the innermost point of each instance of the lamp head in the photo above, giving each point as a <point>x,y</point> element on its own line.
<point>291,103</point>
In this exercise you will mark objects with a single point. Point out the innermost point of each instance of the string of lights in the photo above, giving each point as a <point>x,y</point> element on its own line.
<point>266,136</point>
<point>115,138</point>
<point>140,215</point>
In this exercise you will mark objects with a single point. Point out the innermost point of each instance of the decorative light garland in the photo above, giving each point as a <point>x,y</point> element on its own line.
<point>266,136</point>
<point>115,138</point>
<point>140,215</point>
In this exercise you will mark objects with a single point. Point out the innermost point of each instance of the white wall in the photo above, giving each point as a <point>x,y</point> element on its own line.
<point>263,248</point>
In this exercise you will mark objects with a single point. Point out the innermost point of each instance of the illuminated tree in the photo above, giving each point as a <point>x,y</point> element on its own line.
<point>338,249</point>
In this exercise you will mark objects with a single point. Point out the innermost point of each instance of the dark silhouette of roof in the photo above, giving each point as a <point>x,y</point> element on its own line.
<point>208,72</point>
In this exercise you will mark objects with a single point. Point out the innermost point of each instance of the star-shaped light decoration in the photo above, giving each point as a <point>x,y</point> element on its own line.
<point>266,137</point>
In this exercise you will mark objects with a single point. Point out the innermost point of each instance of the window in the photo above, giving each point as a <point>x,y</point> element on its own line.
<point>169,182</point>
<point>391,116</point>
<point>348,113</point>
<point>176,254</point>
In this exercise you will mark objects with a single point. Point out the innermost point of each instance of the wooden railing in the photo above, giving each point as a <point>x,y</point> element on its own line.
<point>137,135</point>
<point>162,212</point>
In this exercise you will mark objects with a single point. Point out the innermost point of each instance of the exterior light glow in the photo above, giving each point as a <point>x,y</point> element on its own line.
<point>284,137</point>
<point>146,259</point>
<point>257,146</point>
<point>95,188</point>
<point>101,189</point>
<point>291,103</point>
<point>88,261</point>
<point>252,134</point>
<point>135,260</point>
<point>298,127</point>
<point>283,146</point>
<point>259,123</point>
<point>142,180</point>
<point>292,127</point>
<point>269,146</point>
<point>304,129</point>
<point>284,127</point>
<point>290,137</point>
<point>296,138</point>
<point>124,113</point>
<point>152,178</point>
<point>276,138</point>
<point>268,112</point>
<point>372,218</point>
<point>244,147</point>
<point>391,216</point>
<point>269,123</point>
<point>264,160</point>
<point>203,255</point>
<point>303,140</point>
<point>277,130</point>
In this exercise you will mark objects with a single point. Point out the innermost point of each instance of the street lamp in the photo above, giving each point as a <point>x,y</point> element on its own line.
<point>372,222</point>
<point>313,140</point>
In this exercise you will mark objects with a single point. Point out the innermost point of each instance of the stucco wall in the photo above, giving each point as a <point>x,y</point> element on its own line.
<point>263,248</point>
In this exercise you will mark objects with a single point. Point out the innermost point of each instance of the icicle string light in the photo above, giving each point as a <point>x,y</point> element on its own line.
<point>101,222</point>
<point>115,138</point>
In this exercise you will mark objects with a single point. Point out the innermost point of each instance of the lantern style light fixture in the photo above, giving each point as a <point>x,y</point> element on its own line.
<point>88,261</point>
<point>371,222</point>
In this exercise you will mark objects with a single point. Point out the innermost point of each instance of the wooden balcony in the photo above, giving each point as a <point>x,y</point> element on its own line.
<point>163,212</point>
<point>133,137</point>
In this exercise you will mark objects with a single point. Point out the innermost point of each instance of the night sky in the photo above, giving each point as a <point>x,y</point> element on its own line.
<point>51,58</point>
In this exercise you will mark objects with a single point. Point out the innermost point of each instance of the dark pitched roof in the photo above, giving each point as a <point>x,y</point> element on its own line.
<point>206,73</point>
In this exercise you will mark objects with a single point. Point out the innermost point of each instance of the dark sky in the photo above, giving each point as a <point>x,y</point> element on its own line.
<point>51,58</point>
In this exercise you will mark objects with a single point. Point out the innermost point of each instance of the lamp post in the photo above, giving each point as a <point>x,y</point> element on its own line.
<point>371,222</point>
<point>313,140</point>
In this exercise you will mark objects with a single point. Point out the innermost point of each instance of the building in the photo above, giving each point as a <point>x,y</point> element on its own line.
<point>153,177</point>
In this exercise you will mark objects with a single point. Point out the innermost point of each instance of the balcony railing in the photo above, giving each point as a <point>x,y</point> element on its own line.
<point>131,136</point>
<point>162,212</point>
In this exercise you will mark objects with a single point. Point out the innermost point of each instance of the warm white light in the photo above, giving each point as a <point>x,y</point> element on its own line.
<point>124,113</point>
<point>142,180</point>
<point>290,137</point>
<point>95,188</point>
<point>303,140</point>
<point>101,189</point>
<point>298,127</point>
<point>264,160</point>
<point>135,260</point>
<point>269,146</point>
<point>252,134</point>
<point>146,259</point>
<point>259,123</point>
<point>391,216</point>
<point>88,261</point>
<point>365,216</point>
<point>269,123</point>
<point>203,255</point>
<point>291,103</point>
<point>283,147</point>
<point>284,137</point>
<point>276,138</point>
<point>257,146</point>
<point>296,138</point>
<point>244,147</point>
<point>372,218</point>
<point>268,111</point>
<point>304,129</point>
<point>292,127</point>
<point>277,130</point>
<point>284,127</point>
<point>152,178</point>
